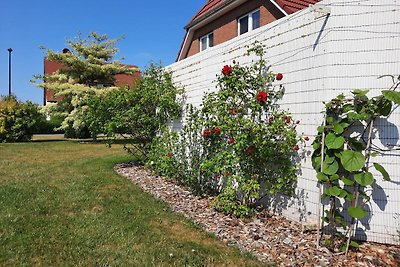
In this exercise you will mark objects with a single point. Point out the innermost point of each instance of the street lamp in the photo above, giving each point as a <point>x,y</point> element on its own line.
<point>9,71</point>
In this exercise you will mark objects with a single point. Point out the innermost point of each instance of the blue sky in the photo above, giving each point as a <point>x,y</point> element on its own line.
<point>153,32</point>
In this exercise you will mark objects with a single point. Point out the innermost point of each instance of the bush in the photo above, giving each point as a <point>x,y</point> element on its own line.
<point>137,114</point>
<point>240,146</point>
<point>18,120</point>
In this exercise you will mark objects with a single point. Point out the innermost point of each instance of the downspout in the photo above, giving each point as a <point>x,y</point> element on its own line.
<point>279,7</point>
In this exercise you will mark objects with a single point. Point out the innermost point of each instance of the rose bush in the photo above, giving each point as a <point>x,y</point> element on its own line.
<point>239,147</point>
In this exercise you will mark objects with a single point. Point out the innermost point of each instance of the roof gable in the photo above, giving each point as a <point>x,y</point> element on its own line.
<point>290,6</point>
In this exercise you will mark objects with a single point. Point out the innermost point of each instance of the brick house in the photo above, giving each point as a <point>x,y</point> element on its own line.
<point>51,67</point>
<point>221,20</point>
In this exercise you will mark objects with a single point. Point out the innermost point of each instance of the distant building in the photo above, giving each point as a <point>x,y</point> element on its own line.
<point>51,67</point>
<point>221,20</point>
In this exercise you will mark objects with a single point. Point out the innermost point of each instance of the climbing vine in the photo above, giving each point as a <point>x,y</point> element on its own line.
<point>343,158</point>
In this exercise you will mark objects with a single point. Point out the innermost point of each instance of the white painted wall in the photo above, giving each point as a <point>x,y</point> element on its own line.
<point>321,58</point>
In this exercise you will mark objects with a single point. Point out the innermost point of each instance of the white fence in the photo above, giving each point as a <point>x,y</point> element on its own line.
<point>321,58</point>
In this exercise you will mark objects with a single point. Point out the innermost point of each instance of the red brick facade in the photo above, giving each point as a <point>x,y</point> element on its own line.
<point>221,18</point>
<point>51,67</point>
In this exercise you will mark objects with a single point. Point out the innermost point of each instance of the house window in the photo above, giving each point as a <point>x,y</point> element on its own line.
<point>206,41</point>
<point>249,22</point>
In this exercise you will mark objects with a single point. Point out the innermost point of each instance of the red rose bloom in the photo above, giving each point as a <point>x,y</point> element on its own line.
<point>227,174</point>
<point>296,148</point>
<point>226,70</point>
<point>270,120</point>
<point>306,138</point>
<point>231,140</point>
<point>262,97</point>
<point>279,76</point>
<point>206,133</point>
<point>169,155</point>
<point>288,119</point>
<point>217,130</point>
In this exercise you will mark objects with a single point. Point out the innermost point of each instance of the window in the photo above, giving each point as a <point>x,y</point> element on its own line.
<point>206,41</point>
<point>249,22</point>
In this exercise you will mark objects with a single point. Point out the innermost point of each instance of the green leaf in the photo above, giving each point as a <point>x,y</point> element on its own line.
<point>352,160</point>
<point>360,92</point>
<point>384,106</point>
<point>357,212</point>
<point>347,181</point>
<point>316,145</point>
<point>357,145</point>
<point>334,177</point>
<point>333,191</point>
<point>320,129</point>
<point>328,159</point>
<point>392,96</point>
<point>334,142</point>
<point>322,177</point>
<point>347,108</point>
<point>330,168</point>
<point>382,170</point>
<point>364,178</point>
<point>338,129</point>
<point>329,119</point>
<point>354,244</point>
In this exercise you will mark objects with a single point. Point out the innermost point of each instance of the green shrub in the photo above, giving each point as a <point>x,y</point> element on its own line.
<point>17,119</point>
<point>239,146</point>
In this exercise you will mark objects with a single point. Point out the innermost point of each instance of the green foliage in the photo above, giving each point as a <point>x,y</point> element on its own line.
<point>18,120</point>
<point>238,145</point>
<point>88,72</point>
<point>137,114</point>
<point>345,154</point>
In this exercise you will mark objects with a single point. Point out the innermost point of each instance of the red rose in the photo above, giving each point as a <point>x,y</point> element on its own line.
<point>270,120</point>
<point>206,133</point>
<point>287,119</point>
<point>231,140</point>
<point>227,174</point>
<point>217,130</point>
<point>296,147</point>
<point>169,155</point>
<point>262,97</point>
<point>306,138</point>
<point>226,70</point>
<point>279,76</point>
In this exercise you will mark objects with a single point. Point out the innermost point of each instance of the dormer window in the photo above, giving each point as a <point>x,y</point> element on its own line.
<point>206,41</point>
<point>249,22</point>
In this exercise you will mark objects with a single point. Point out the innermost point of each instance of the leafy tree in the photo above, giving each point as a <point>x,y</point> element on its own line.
<point>89,71</point>
<point>138,114</point>
<point>17,119</point>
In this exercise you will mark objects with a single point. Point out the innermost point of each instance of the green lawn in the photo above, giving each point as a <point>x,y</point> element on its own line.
<point>61,204</point>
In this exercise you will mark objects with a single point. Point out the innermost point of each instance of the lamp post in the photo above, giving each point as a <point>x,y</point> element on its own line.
<point>9,71</point>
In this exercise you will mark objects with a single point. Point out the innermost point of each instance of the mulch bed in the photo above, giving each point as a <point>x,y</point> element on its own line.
<point>269,237</point>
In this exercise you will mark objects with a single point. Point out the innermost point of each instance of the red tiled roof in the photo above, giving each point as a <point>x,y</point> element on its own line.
<point>290,6</point>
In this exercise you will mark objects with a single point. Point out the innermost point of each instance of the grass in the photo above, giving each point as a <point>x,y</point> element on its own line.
<point>63,205</point>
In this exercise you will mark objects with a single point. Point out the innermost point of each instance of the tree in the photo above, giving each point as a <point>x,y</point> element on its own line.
<point>89,71</point>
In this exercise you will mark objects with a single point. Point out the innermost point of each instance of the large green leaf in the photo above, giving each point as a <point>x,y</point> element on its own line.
<point>333,191</point>
<point>338,128</point>
<point>392,96</point>
<point>322,177</point>
<point>330,168</point>
<point>357,212</point>
<point>352,160</point>
<point>360,92</point>
<point>347,181</point>
<point>382,170</point>
<point>334,142</point>
<point>364,178</point>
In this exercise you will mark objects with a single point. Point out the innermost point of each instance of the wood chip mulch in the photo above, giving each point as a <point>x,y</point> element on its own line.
<point>269,237</point>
